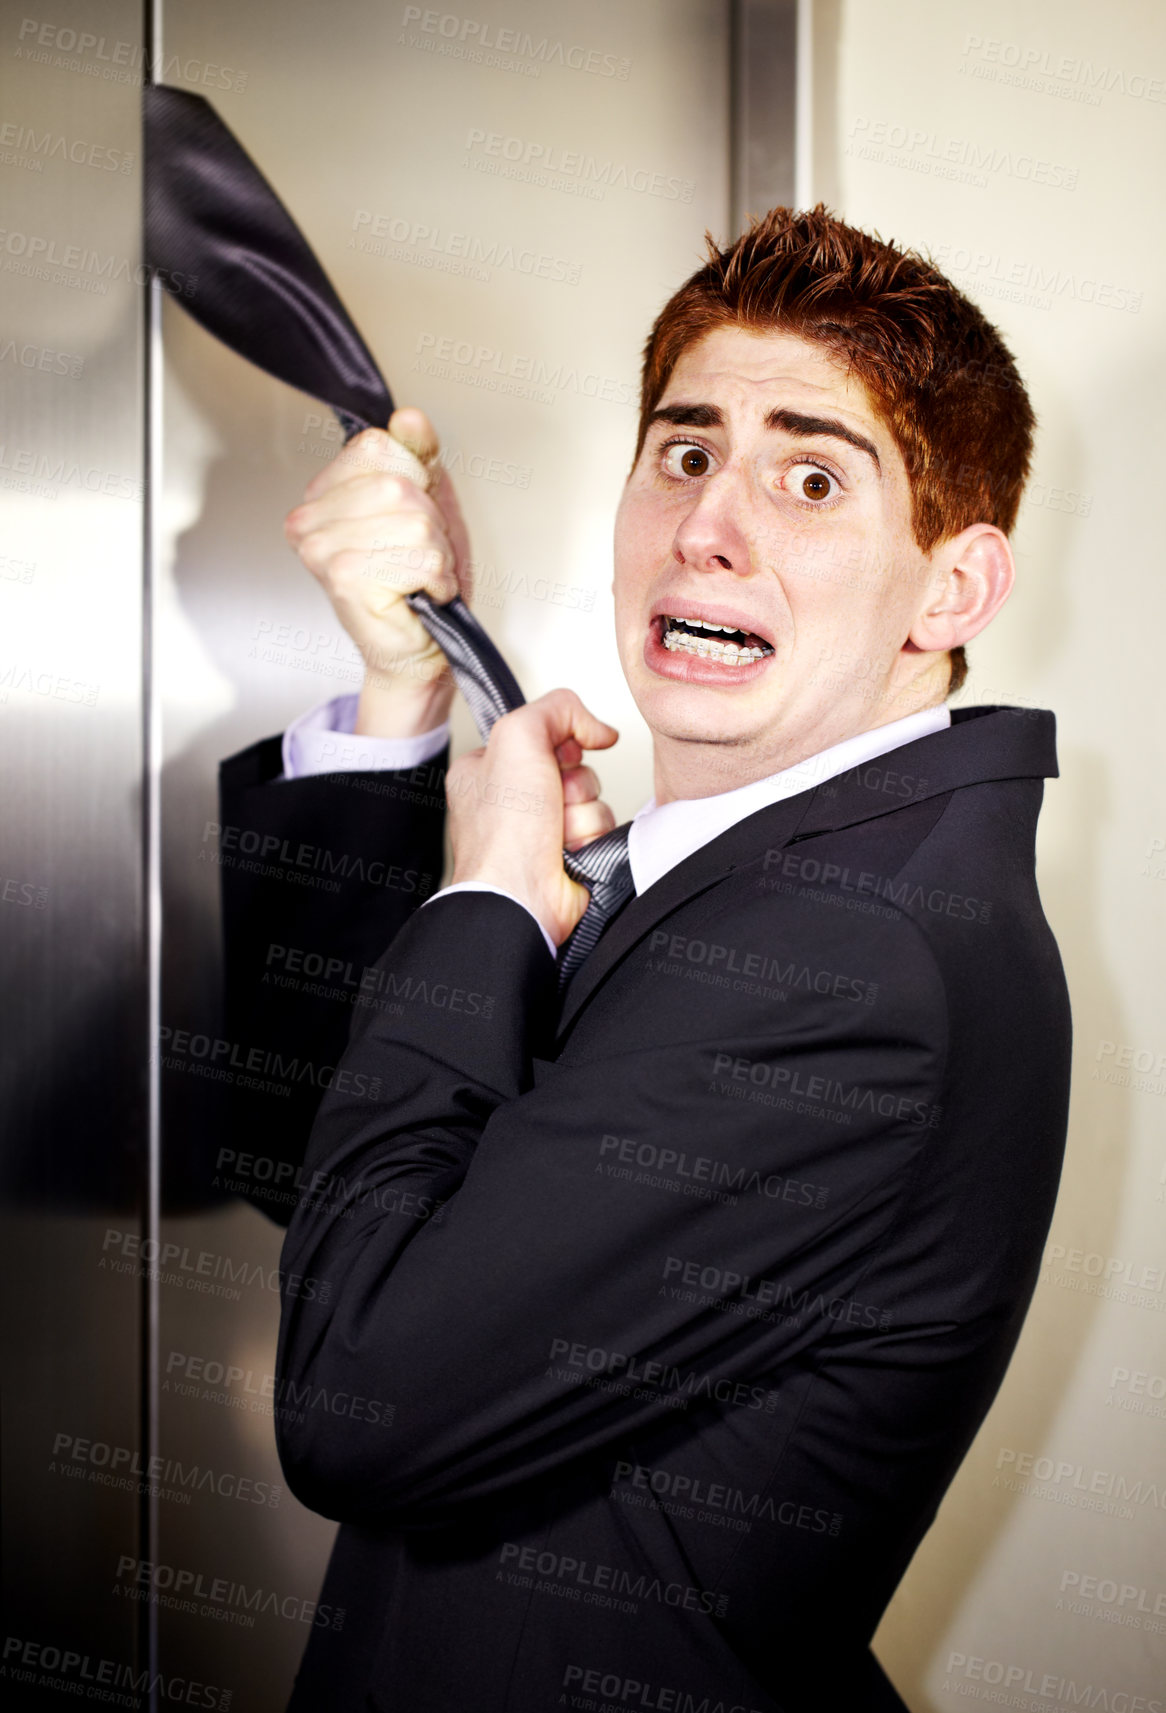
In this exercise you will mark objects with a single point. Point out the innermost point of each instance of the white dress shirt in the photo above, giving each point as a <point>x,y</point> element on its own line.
<point>322,741</point>
<point>661,834</point>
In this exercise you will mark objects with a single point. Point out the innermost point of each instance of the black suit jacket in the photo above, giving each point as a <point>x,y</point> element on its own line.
<point>634,1343</point>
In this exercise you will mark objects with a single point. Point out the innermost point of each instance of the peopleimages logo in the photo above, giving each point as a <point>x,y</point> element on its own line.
<point>115,1465</point>
<point>115,61</point>
<point>1049,1685</point>
<point>541,162</point>
<point>427,245</point>
<point>504,371</point>
<point>631,1375</point>
<point>1125,1597</point>
<point>694,1171</point>
<point>48,1665</point>
<point>34,255</point>
<point>218,1382</point>
<point>491,45</point>
<point>713,1501</point>
<point>639,1693</point>
<point>206,1264</point>
<point>179,1588</point>
<point>758,1074</point>
<point>625,1586</point>
<point>1137,1392</point>
<point>1075,1485</point>
<point>1060,73</point>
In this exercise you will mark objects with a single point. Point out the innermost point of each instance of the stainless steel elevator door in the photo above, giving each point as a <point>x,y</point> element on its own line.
<point>71,870</point>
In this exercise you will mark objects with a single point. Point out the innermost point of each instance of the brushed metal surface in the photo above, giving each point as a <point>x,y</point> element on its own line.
<point>70,837</point>
<point>763,58</point>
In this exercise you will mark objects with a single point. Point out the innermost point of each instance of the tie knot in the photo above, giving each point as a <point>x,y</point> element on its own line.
<point>602,859</point>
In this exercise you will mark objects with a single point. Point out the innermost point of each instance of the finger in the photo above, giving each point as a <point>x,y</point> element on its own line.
<point>568,754</point>
<point>441,490</point>
<point>583,822</point>
<point>580,785</point>
<point>395,556</point>
<point>320,527</point>
<point>415,431</point>
<point>377,453</point>
<point>365,493</point>
<point>405,535</point>
<point>563,715</point>
<point>371,451</point>
<point>392,570</point>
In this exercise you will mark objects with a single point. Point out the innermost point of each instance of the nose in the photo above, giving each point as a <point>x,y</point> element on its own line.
<point>710,537</point>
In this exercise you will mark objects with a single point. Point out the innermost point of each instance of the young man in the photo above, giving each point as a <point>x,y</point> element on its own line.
<point>635,1326</point>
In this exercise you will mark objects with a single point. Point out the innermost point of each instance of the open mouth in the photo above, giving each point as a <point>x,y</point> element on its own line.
<point>722,643</point>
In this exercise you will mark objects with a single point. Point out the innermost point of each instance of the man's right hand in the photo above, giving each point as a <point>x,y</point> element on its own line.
<point>371,535</point>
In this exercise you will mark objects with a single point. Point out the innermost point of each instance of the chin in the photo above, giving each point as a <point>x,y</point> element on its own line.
<point>695,714</point>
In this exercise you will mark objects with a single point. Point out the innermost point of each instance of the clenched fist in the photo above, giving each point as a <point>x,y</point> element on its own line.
<point>518,799</point>
<point>379,523</point>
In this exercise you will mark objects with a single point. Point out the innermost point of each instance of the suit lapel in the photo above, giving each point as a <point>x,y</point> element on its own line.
<point>981,743</point>
<point>767,828</point>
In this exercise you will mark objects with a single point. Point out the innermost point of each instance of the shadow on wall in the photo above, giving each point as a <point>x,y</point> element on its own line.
<point>230,563</point>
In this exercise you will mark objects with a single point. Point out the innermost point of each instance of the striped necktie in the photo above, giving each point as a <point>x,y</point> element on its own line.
<point>491,690</point>
<point>212,221</point>
<point>604,868</point>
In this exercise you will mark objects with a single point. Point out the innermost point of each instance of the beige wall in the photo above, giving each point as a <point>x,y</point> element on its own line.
<point>1024,146</point>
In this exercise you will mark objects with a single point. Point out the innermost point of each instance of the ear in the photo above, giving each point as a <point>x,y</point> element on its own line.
<point>972,577</point>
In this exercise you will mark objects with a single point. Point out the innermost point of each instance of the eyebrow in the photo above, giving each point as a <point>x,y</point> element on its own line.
<point>688,416</point>
<point>792,421</point>
<point>825,427</point>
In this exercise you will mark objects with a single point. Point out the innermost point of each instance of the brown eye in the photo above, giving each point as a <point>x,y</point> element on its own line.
<point>811,482</point>
<point>686,460</point>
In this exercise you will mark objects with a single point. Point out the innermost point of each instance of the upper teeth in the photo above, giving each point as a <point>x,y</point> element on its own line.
<point>709,648</point>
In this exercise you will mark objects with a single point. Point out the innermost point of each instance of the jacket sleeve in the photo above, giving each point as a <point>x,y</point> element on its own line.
<point>479,1289</point>
<point>317,876</point>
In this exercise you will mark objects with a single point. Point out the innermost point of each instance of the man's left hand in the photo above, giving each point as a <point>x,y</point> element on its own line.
<point>518,800</point>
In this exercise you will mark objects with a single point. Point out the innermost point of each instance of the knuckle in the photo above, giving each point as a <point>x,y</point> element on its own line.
<point>392,490</point>
<point>347,567</point>
<point>414,527</point>
<point>580,786</point>
<point>313,548</point>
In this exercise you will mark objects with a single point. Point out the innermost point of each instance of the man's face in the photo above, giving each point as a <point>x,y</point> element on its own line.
<point>769,499</point>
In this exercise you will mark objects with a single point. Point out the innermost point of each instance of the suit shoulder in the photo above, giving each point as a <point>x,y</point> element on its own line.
<point>832,959</point>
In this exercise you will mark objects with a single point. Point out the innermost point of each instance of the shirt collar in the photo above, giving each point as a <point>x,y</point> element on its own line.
<point>661,835</point>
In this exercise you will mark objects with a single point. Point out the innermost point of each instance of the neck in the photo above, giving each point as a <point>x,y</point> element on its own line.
<point>693,768</point>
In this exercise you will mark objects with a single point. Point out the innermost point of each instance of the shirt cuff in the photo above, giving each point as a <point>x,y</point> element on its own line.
<point>322,741</point>
<point>484,886</point>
